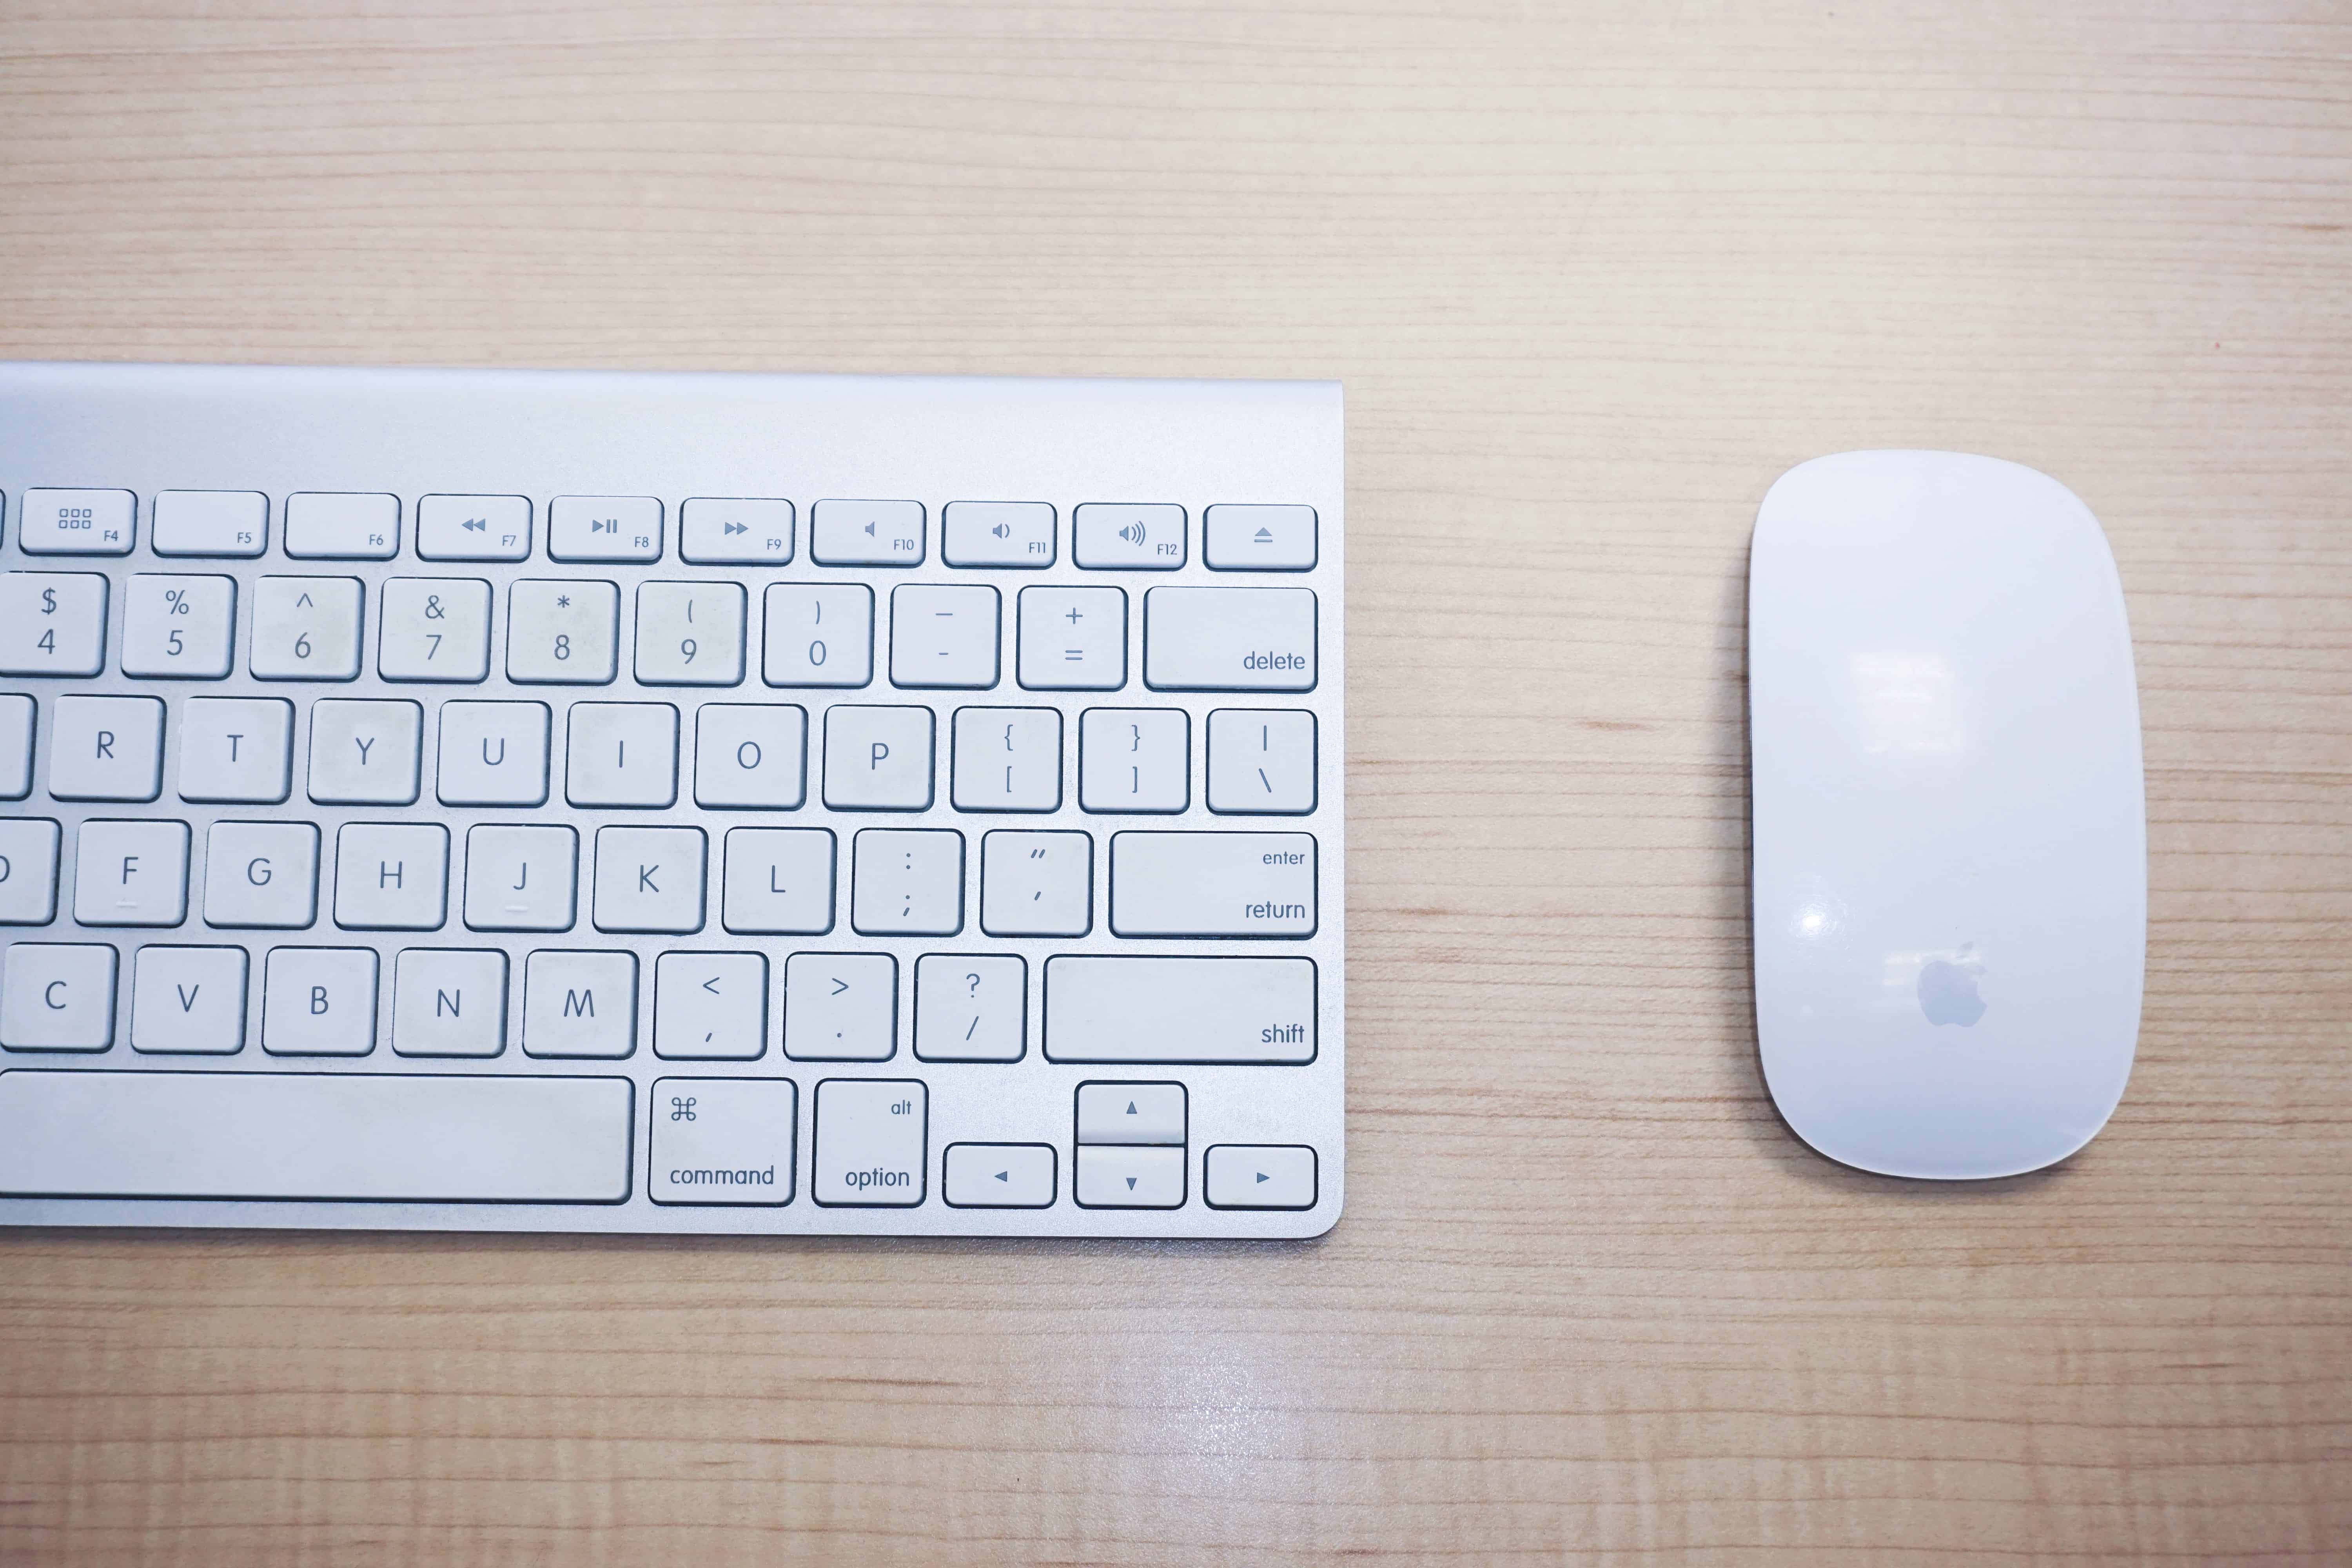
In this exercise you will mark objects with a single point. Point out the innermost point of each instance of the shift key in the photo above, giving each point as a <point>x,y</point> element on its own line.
<point>1212,884</point>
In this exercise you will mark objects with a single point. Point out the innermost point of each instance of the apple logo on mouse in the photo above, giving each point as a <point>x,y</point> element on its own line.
<point>1947,990</point>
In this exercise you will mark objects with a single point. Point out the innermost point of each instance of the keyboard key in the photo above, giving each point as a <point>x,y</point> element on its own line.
<point>1127,538</point>
<point>52,623</point>
<point>178,628</point>
<point>211,522</point>
<point>1229,639</point>
<point>382,1137</point>
<point>820,636</point>
<point>997,534</point>
<point>1261,759</point>
<point>1259,1176</point>
<point>779,882</point>
<point>188,1001</point>
<point>877,759</point>
<point>1135,760</point>
<point>521,878</point>
<point>623,753</point>
<point>493,753</point>
<point>690,633</point>
<point>750,756</point>
<point>17,715</point>
<point>908,883</point>
<point>107,748</point>
<point>318,1002</point>
<point>435,628</point>
<point>943,636</point>
<point>391,876</point>
<point>562,633</point>
<point>28,872</point>
<point>1008,758</point>
<point>723,1139</point>
<point>236,748</point>
<point>1130,1114</point>
<point>841,1007</point>
<point>871,1142</point>
<point>866,532</point>
<point>579,1005</point>
<point>306,629</point>
<point>473,528</point>
<point>1073,639</point>
<point>131,873</point>
<point>971,1007</point>
<point>1212,884</point>
<point>337,526</point>
<point>364,752</point>
<point>77,522</point>
<point>1180,1009</point>
<point>649,879</point>
<point>1258,538</point>
<point>261,875</point>
<point>604,527</point>
<point>1036,884</point>
<point>1123,1176</point>
<point>998,1177</point>
<point>710,1006</point>
<point>743,532</point>
<point>449,1001</point>
<point>56,996</point>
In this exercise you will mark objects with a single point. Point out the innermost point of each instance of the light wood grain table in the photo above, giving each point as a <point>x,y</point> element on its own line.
<point>1592,276</point>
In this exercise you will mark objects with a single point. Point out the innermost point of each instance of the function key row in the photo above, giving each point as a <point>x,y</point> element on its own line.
<point>323,525</point>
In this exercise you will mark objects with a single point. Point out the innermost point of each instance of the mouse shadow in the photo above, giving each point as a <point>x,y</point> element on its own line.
<point>1742,1061</point>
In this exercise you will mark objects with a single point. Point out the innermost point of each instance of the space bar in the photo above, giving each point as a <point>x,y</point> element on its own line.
<point>382,1137</point>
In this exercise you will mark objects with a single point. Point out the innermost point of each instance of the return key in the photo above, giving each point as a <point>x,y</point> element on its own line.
<point>1212,884</point>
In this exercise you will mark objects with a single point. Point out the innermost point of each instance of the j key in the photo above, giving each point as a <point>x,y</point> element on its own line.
<point>521,878</point>
<point>52,623</point>
<point>178,627</point>
<point>211,522</point>
<point>1229,639</point>
<point>77,522</point>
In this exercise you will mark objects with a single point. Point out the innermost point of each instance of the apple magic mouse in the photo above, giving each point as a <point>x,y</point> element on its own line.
<point>1948,813</point>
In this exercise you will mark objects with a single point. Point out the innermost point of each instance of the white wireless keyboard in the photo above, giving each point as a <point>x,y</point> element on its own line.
<point>519,801</point>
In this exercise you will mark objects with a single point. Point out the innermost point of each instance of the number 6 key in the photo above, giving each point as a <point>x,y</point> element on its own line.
<point>306,629</point>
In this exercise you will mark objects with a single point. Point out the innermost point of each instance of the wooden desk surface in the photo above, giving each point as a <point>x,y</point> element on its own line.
<point>1592,279</point>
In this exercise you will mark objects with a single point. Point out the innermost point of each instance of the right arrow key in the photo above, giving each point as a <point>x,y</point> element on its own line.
<point>1259,1176</point>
